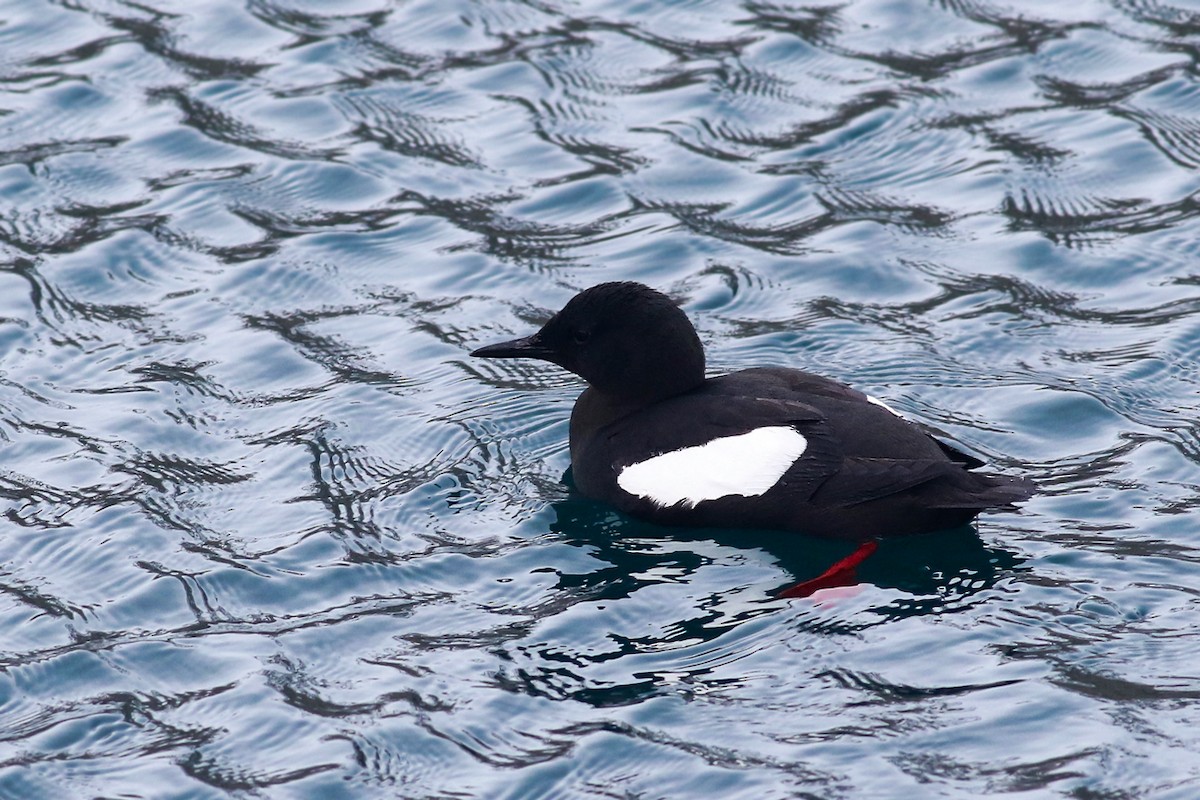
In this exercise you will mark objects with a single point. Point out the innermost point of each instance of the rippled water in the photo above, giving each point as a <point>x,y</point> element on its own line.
<point>267,531</point>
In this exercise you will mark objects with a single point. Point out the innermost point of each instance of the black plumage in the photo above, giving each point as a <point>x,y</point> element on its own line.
<point>864,471</point>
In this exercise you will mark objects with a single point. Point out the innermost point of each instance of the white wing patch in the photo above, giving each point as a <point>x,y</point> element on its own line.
<point>747,465</point>
<point>884,406</point>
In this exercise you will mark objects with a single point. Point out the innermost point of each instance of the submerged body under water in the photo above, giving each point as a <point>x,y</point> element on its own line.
<point>267,529</point>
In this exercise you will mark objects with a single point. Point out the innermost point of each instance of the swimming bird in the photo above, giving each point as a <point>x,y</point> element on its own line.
<point>767,447</point>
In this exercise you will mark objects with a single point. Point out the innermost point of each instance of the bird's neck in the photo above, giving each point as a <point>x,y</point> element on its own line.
<point>595,409</point>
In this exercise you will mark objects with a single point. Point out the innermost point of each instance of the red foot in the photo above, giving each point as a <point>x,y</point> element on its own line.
<point>840,574</point>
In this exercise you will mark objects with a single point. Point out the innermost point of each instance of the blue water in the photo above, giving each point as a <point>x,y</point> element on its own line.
<point>267,531</point>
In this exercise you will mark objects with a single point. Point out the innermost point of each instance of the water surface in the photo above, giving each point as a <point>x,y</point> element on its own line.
<point>268,531</point>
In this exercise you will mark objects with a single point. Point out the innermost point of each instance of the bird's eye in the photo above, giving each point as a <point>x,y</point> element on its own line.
<point>580,336</point>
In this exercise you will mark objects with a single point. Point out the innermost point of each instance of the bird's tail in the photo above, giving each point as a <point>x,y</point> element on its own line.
<point>986,490</point>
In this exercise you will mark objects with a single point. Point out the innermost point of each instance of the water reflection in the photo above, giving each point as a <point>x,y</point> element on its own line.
<point>938,570</point>
<point>669,611</point>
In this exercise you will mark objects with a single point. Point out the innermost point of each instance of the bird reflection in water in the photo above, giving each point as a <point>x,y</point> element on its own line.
<point>934,569</point>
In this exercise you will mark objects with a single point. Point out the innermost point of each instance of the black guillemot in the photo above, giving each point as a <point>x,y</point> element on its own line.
<point>768,447</point>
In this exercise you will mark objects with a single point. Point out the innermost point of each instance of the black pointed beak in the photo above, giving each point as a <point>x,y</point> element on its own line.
<point>529,347</point>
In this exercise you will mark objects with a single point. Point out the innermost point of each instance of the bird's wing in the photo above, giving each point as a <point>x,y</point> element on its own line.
<point>740,446</point>
<point>680,423</point>
<point>860,480</point>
